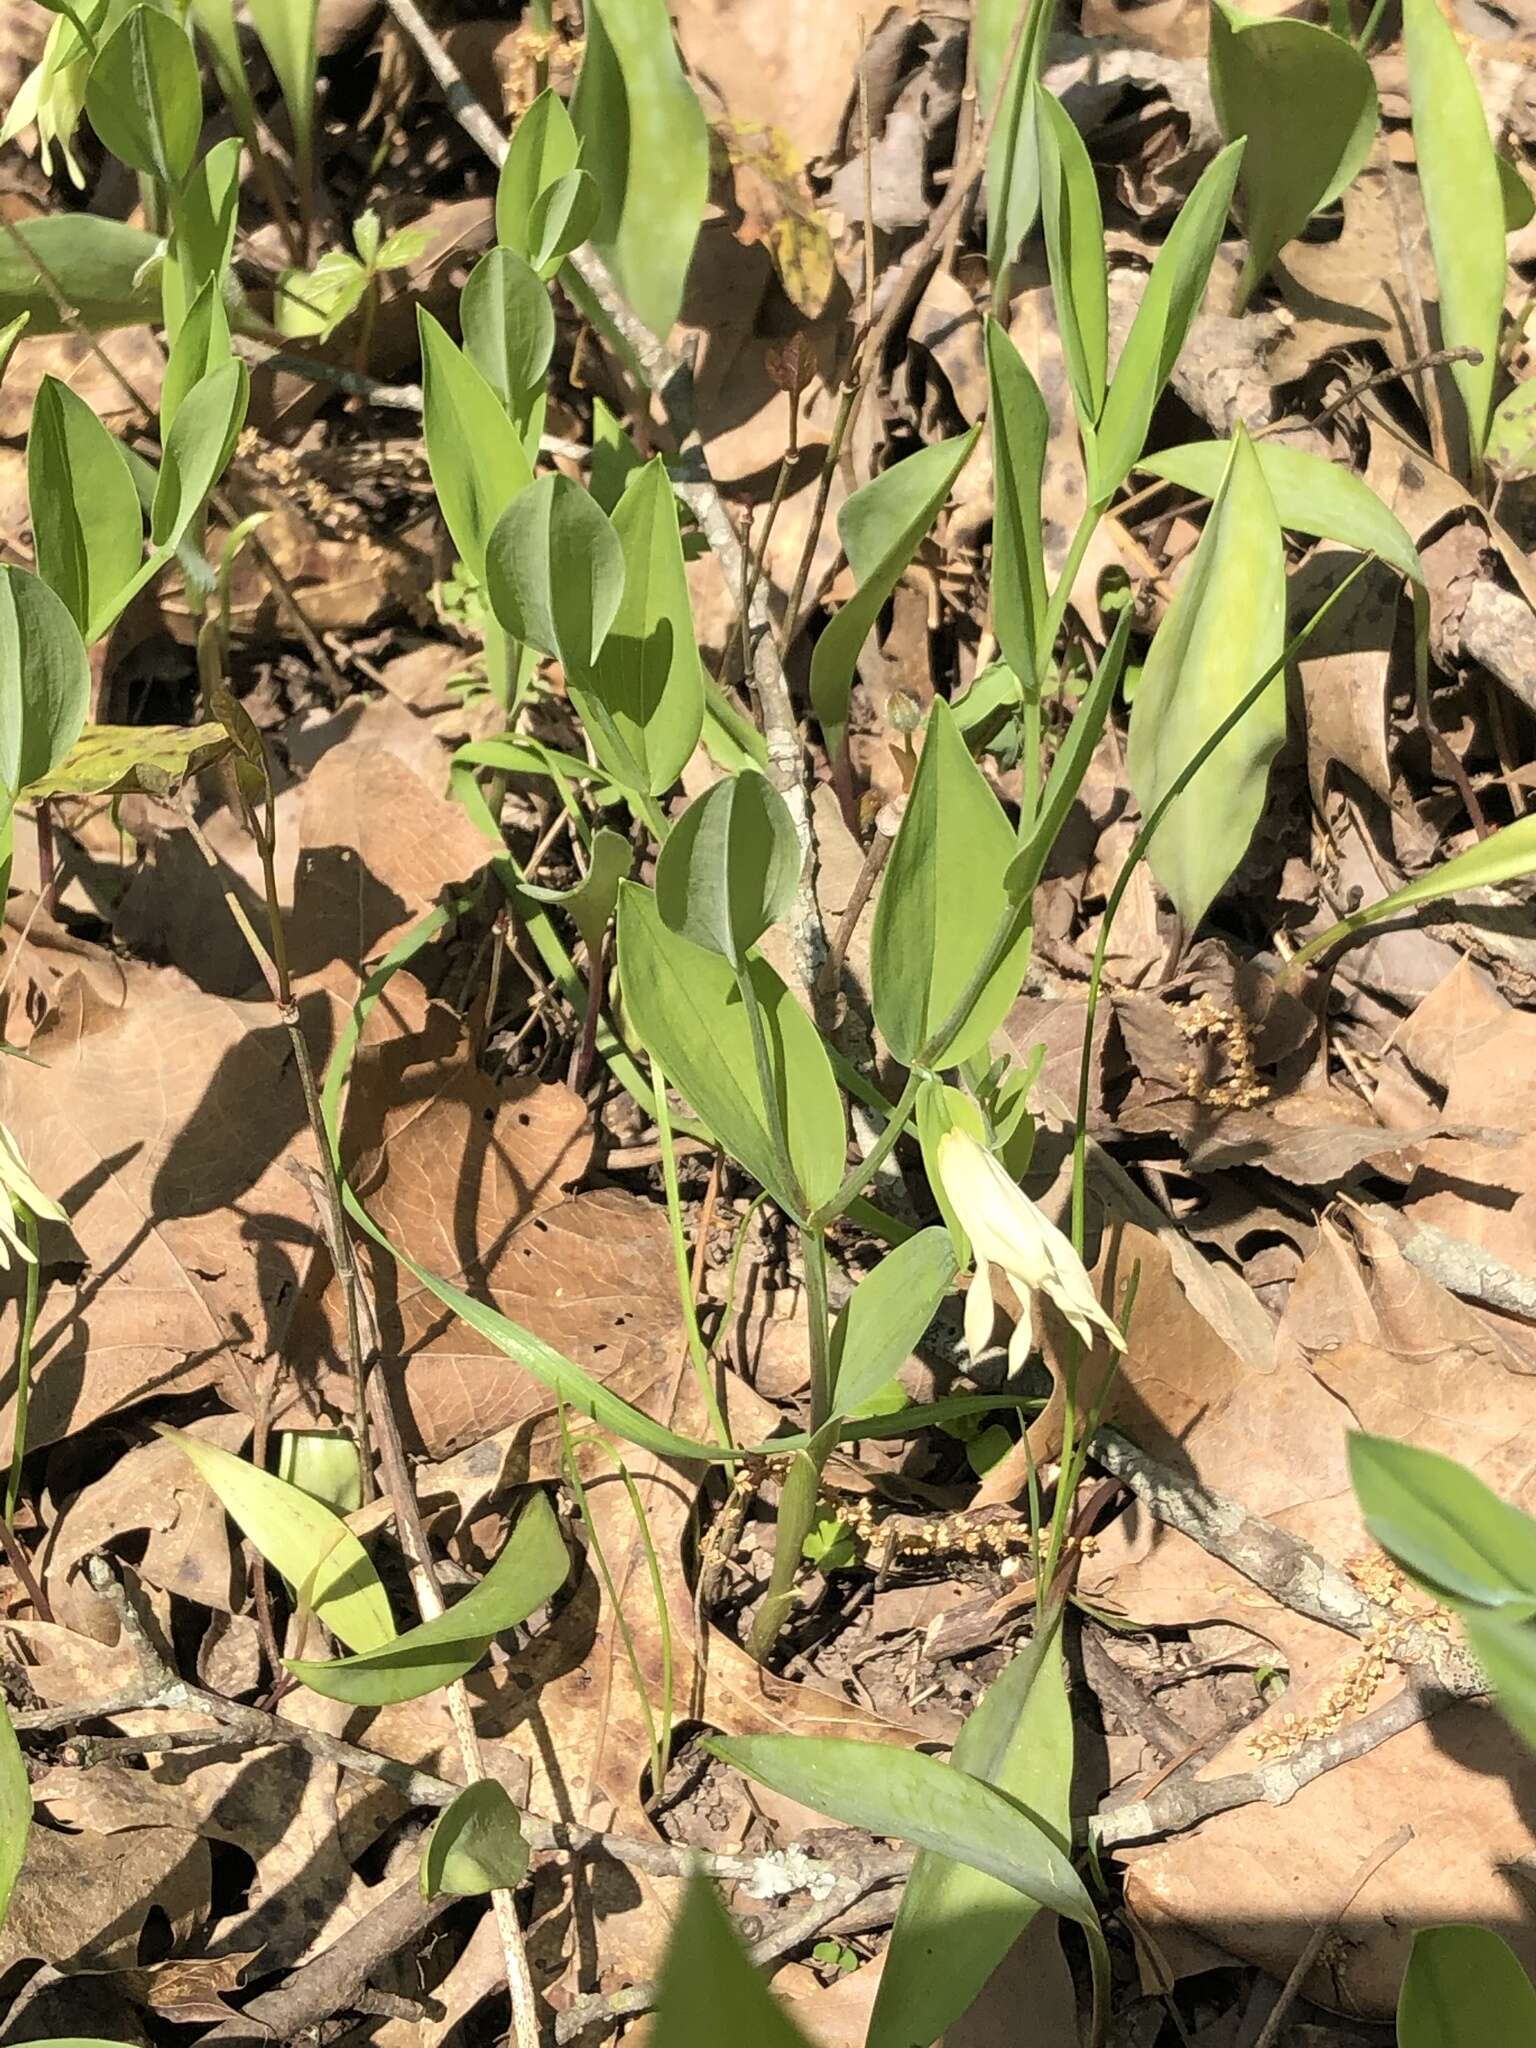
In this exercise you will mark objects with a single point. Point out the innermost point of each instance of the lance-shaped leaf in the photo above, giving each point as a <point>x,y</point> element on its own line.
<point>711,1991</point>
<point>1310,495</point>
<point>144,96</point>
<point>943,899</point>
<point>476,1845</point>
<point>645,676</point>
<point>111,760</point>
<point>1074,241</point>
<point>45,681</point>
<point>1443,1525</point>
<point>202,236</point>
<point>554,570</point>
<point>544,147</point>
<point>955,1924</point>
<point>883,1320</point>
<point>1463,200</point>
<point>103,267</point>
<point>1263,75</point>
<point>197,449</point>
<point>881,527</point>
<point>201,347</point>
<point>478,462</point>
<point>1463,1988</point>
<point>287,29</point>
<point>509,331</point>
<point>15,1810</point>
<point>1225,627</point>
<point>687,1009</point>
<point>645,141</point>
<point>1013,154</point>
<point>729,868</point>
<point>1172,298</point>
<point>1020,427</point>
<point>87,525</point>
<point>930,1804</point>
<point>328,1569</point>
<point>532,1567</point>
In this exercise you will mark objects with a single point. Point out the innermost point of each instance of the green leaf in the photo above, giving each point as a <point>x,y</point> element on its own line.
<point>1519,200</point>
<point>554,572</point>
<point>197,449</point>
<point>478,462</point>
<point>1262,74</point>
<point>509,332</point>
<point>1504,856</point>
<point>324,1464</point>
<point>883,1320</point>
<point>45,680</point>
<point>686,1008</point>
<point>955,1924</point>
<point>532,1567</point>
<point>111,760</point>
<point>1013,155</point>
<point>144,96</point>
<point>563,217</point>
<point>1074,242</point>
<point>316,302</point>
<point>1225,627</point>
<point>328,1569</point>
<point>476,1845</point>
<point>881,526</point>
<point>647,679</point>
<point>1506,1650</point>
<point>729,868</point>
<point>614,458</point>
<point>202,236</point>
<point>543,149</point>
<point>201,347</point>
<point>10,334</point>
<point>1464,202</point>
<point>916,1798</point>
<point>287,32</point>
<point>101,266</point>
<point>87,527</point>
<point>1310,495</point>
<point>1445,1527</point>
<point>1512,436</point>
<point>645,141</point>
<point>1463,1988</point>
<point>942,901</point>
<point>216,20</point>
<point>1173,296</point>
<point>15,1810</point>
<point>1020,427</point>
<point>710,1990</point>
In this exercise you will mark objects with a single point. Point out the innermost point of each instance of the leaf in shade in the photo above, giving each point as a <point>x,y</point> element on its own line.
<point>533,1565</point>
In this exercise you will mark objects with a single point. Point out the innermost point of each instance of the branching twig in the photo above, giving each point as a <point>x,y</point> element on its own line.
<point>1185,1802</point>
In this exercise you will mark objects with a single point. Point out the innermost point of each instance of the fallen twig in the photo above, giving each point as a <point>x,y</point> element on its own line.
<point>1269,2034</point>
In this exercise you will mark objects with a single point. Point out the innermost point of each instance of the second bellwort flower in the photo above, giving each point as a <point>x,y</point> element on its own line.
<point>1008,1231</point>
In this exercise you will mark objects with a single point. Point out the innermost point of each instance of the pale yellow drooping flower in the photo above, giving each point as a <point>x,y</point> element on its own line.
<point>1008,1231</point>
<point>18,1190</point>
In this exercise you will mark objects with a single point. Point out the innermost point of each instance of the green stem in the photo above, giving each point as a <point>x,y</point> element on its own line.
<point>796,1518</point>
<point>789,1186</point>
<point>861,1176</point>
<point>813,1247</point>
<point>28,1224</point>
<point>696,1346</point>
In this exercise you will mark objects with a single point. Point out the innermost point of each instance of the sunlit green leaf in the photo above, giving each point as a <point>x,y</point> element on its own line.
<point>15,1810</point>
<point>554,571</point>
<point>1224,629</point>
<point>45,680</point>
<point>883,1320</point>
<point>299,1536</point>
<point>144,96</point>
<point>87,525</point>
<point>476,455</point>
<point>1442,1524</point>
<point>729,868</point>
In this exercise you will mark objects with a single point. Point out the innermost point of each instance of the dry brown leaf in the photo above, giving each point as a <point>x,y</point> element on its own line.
<point>755,59</point>
<point>1255,1881</point>
<point>163,1123</point>
<point>82,1900</point>
<point>376,848</point>
<point>1344,670</point>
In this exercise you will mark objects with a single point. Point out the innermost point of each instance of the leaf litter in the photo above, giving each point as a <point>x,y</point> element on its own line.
<point>1287,1180</point>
